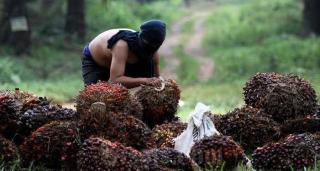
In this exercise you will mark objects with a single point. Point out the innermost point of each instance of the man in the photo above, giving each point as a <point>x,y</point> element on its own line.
<point>125,56</point>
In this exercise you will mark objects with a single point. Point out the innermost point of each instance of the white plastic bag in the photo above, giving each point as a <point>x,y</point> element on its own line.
<point>199,126</point>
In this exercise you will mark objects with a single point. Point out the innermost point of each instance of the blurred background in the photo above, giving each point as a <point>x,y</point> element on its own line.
<point>212,47</point>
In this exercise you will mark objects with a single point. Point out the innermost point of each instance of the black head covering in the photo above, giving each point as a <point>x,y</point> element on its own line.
<point>152,34</point>
<point>145,42</point>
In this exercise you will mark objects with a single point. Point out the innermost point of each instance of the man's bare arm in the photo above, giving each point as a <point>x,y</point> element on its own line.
<point>117,69</point>
<point>156,59</point>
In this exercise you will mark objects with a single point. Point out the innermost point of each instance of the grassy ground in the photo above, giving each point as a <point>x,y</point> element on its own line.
<point>48,72</point>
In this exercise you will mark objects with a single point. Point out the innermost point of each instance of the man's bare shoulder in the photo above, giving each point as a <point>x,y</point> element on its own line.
<point>121,44</point>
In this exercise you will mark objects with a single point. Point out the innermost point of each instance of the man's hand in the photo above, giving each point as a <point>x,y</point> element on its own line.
<point>154,81</point>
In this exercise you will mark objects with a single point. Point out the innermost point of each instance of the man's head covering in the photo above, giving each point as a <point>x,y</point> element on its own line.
<point>145,42</point>
<point>152,34</point>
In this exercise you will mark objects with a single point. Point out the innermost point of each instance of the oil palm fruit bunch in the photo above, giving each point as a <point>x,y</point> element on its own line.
<point>248,126</point>
<point>282,96</point>
<point>8,151</point>
<point>164,134</point>
<point>101,154</point>
<point>291,153</point>
<point>124,128</point>
<point>159,105</point>
<point>40,115</point>
<point>217,152</point>
<point>309,124</point>
<point>215,118</point>
<point>8,115</point>
<point>170,159</point>
<point>116,97</point>
<point>12,105</point>
<point>53,145</point>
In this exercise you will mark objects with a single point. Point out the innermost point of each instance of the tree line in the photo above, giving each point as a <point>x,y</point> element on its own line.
<point>15,30</point>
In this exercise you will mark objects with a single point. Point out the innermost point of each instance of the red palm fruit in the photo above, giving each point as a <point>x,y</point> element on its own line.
<point>53,145</point>
<point>295,152</point>
<point>123,128</point>
<point>101,154</point>
<point>13,105</point>
<point>170,159</point>
<point>309,124</point>
<point>159,105</point>
<point>280,95</point>
<point>164,134</point>
<point>115,96</point>
<point>248,126</point>
<point>217,152</point>
<point>8,151</point>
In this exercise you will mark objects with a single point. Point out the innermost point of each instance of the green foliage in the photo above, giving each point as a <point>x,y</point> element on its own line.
<point>245,37</point>
<point>54,67</point>
<point>188,68</point>
<point>128,14</point>
<point>49,72</point>
<point>253,21</point>
<point>259,36</point>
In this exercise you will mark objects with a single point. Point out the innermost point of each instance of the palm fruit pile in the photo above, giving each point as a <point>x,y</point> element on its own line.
<point>300,125</point>
<point>8,115</point>
<point>126,129</point>
<point>217,152</point>
<point>292,153</point>
<point>40,115</point>
<point>282,96</point>
<point>101,154</point>
<point>12,105</point>
<point>248,126</point>
<point>8,151</point>
<point>159,105</point>
<point>170,159</point>
<point>164,134</point>
<point>53,145</point>
<point>115,96</point>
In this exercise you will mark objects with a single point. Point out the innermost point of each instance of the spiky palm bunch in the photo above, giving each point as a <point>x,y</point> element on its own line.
<point>170,159</point>
<point>12,106</point>
<point>165,133</point>
<point>280,95</point>
<point>126,129</point>
<point>53,145</point>
<point>40,115</point>
<point>159,105</point>
<point>248,126</point>
<point>292,153</point>
<point>8,115</point>
<point>8,151</point>
<point>217,152</point>
<point>309,124</point>
<point>115,96</point>
<point>101,154</point>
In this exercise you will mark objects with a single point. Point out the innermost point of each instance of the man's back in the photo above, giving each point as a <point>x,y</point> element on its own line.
<point>98,47</point>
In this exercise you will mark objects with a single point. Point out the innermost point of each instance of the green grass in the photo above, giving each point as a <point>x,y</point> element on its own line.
<point>48,72</point>
<point>221,97</point>
<point>260,36</point>
<point>188,69</point>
